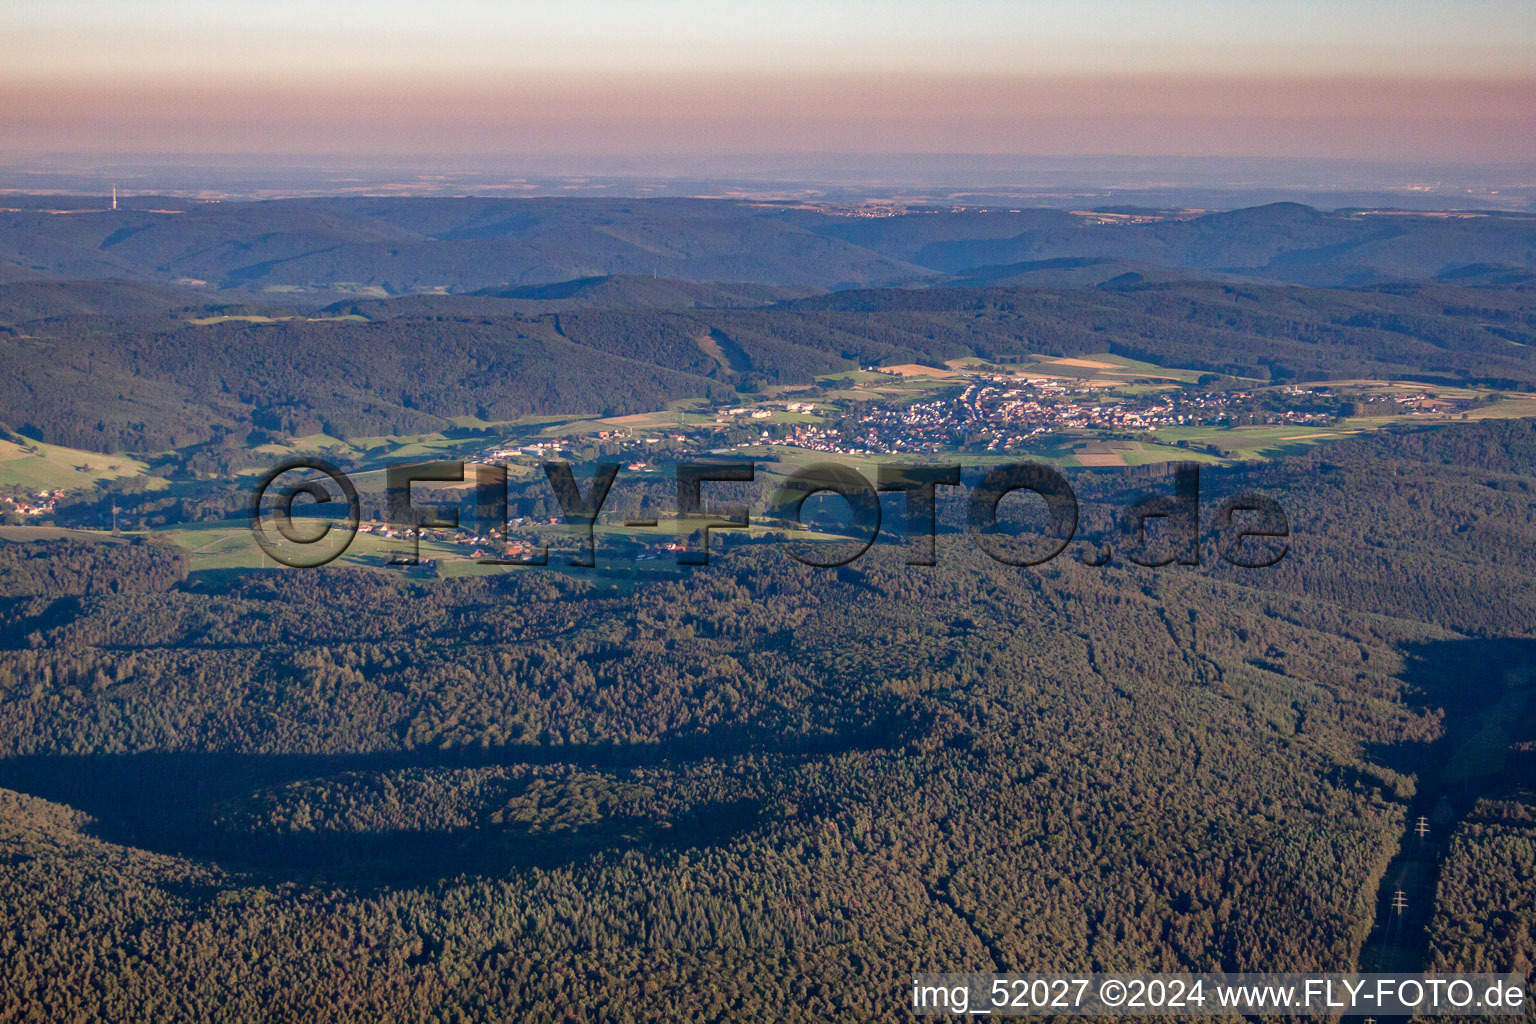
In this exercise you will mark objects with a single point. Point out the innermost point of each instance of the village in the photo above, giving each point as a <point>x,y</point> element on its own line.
<point>992,413</point>
<point>997,416</point>
<point>982,412</point>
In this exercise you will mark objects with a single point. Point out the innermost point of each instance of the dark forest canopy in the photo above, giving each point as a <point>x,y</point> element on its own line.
<point>760,791</point>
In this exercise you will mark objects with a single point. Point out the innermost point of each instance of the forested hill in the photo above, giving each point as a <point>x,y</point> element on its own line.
<point>401,245</point>
<point>120,366</point>
<point>1281,241</point>
<point>406,245</point>
<point>759,791</point>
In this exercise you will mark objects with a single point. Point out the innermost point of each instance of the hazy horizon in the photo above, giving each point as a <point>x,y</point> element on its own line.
<point>1418,81</point>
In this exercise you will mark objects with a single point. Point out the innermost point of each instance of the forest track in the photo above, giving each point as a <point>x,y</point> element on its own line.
<point>1467,763</point>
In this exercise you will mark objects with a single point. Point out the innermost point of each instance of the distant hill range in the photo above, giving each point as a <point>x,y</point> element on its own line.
<point>127,366</point>
<point>137,330</point>
<point>513,248</point>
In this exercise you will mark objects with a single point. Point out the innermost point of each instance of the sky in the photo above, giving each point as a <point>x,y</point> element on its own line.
<point>1427,80</point>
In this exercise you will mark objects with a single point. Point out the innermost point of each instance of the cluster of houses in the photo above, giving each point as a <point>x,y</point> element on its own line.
<point>39,503</point>
<point>495,545</point>
<point>491,543</point>
<point>999,411</point>
<point>1002,412</point>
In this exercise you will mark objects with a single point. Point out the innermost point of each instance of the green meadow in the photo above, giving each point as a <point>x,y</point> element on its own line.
<point>38,466</point>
